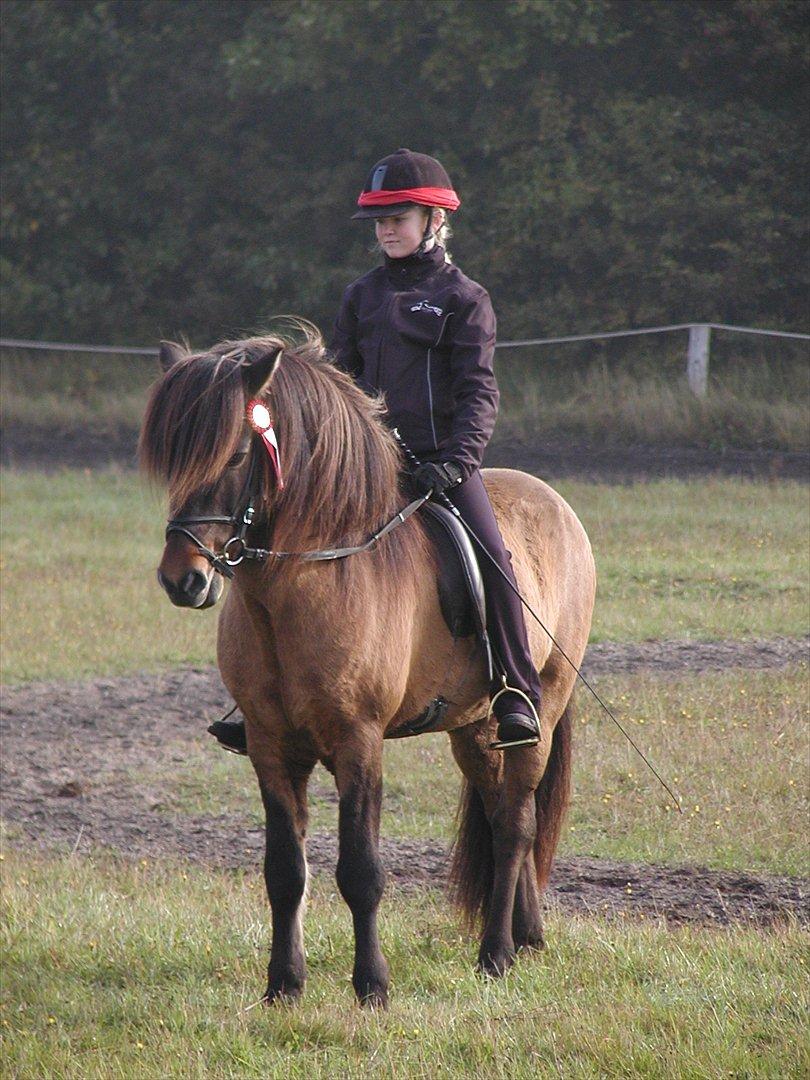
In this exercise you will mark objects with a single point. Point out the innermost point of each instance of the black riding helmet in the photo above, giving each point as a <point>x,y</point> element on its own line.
<point>403,180</point>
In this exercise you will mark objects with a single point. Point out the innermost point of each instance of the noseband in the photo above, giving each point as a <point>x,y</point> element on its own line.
<point>236,550</point>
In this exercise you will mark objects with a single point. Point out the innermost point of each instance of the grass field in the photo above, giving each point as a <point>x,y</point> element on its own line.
<point>114,970</point>
<point>703,559</point>
<point>757,398</point>
<point>121,970</point>
<point>735,745</point>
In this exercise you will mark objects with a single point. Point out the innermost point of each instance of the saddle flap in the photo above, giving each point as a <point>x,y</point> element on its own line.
<point>461,586</point>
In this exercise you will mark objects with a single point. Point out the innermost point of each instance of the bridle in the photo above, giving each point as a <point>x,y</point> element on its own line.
<point>227,559</point>
<point>236,550</point>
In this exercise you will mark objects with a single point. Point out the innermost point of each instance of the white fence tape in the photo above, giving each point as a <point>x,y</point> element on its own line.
<point>697,359</point>
<point>63,346</point>
<point>647,330</point>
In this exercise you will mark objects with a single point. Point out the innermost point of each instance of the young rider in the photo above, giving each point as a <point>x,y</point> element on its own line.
<point>418,330</point>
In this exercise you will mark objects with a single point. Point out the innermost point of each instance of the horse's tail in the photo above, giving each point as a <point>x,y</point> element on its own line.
<point>552,796</point>
<point>472,863</point>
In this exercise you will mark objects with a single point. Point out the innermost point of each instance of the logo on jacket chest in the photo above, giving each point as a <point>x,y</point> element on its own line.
<point>423,305</point>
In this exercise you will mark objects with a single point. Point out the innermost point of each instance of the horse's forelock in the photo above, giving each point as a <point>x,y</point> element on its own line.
<point>193,424</point>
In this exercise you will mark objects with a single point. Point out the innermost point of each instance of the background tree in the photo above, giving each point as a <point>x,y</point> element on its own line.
<point>192,166</point>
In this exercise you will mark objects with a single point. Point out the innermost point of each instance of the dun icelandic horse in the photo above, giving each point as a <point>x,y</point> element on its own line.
<point>327,659</point>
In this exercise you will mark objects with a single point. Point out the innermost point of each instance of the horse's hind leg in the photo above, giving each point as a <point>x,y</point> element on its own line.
<point>513,831</point>
<point>527,918</point>
<point>526,826</point>
<point>496,852</point>
<point>360,874</point>
<point>510,905</point>
<point>283,788</point>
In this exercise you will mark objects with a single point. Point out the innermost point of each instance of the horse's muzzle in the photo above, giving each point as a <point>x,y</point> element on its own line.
<point>195,589</point>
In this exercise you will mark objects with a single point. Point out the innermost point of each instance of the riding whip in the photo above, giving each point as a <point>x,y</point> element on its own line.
<point>447,502</point>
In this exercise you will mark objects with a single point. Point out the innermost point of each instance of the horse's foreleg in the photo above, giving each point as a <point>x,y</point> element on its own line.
<point>285,874</point>
<point>360,874</point>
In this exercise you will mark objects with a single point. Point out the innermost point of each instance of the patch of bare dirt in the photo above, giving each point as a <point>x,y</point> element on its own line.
<point>47,450</point>
<point>31,448</point>
<point>632,464</point>
<point>611,658</point>
<point>72,752</point>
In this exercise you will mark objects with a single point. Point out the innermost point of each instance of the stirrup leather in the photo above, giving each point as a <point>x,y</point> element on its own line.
<point>530,740</point>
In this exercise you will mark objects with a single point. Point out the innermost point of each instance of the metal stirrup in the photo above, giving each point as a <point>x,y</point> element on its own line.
<point>530,740</point>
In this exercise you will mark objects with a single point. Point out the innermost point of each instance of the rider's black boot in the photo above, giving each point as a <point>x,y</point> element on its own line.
<point>516,729</point>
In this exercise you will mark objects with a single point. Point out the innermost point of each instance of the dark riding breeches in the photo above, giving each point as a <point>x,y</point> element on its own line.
<point>505,622</point>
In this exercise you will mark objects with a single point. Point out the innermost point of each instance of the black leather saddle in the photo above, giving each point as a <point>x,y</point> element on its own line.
<point>461,597</point>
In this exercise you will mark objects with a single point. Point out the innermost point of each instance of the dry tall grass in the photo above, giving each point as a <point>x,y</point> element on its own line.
<point>753,402</point>
<point>748,405</point>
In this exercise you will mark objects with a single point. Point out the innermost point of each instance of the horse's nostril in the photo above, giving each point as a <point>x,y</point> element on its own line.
<point>193,583</point>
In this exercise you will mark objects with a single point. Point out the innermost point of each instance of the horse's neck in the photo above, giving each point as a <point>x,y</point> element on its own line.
<point>327,514</point>
<point>369,585</point>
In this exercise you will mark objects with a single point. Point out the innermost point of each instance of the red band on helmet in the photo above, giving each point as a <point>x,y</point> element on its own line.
<point>446,198</point>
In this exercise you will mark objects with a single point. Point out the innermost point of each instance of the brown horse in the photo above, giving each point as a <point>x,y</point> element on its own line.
<point>327,659</point>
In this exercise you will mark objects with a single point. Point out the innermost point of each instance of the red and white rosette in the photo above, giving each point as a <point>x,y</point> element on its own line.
<point>259,418</point>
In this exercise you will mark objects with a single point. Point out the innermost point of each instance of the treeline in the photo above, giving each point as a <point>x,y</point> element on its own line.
<point>191,166</point>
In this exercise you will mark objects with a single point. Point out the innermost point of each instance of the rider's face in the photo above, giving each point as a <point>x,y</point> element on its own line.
<point>400,235</point>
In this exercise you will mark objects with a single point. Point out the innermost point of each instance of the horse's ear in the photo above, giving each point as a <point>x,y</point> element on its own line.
<point>170,354</point>
<point>257,373</point>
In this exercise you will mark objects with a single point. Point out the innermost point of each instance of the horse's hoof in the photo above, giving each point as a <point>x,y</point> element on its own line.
<point>534,941</point>
<point>282,995</point>
<point>494,965</point>
<point>370,982</point>
<point>373,999</point>
<point>371,991</point>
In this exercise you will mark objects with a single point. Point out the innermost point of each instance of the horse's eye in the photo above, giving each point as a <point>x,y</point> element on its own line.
<point>237,459</point>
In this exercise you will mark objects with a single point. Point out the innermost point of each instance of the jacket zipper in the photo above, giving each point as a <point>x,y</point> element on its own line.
<point>430,402</point>
<point>388,306</point>
<point>429,386</point>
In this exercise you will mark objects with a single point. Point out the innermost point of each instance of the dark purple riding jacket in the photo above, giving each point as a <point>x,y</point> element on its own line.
<point>423,334</point>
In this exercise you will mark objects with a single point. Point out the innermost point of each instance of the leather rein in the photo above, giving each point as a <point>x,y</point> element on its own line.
<point>236,549</point>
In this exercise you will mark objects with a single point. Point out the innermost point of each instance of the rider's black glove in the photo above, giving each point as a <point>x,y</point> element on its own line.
<point>437,478</point>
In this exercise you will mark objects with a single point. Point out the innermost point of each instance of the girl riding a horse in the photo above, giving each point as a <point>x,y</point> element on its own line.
<point>422,334</point>
<point>282,476</point>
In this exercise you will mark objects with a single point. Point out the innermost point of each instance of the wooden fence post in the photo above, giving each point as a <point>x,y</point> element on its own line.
<point>697,359</point>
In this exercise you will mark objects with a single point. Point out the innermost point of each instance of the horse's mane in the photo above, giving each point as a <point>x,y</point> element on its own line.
<point>340,463</point>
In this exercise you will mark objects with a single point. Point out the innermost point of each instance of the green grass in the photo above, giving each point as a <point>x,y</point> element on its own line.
<point>113,970</point>
<point>704,559</point>
<point>735,746</point>
<point>80,596</point>
<point>715,558</point>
